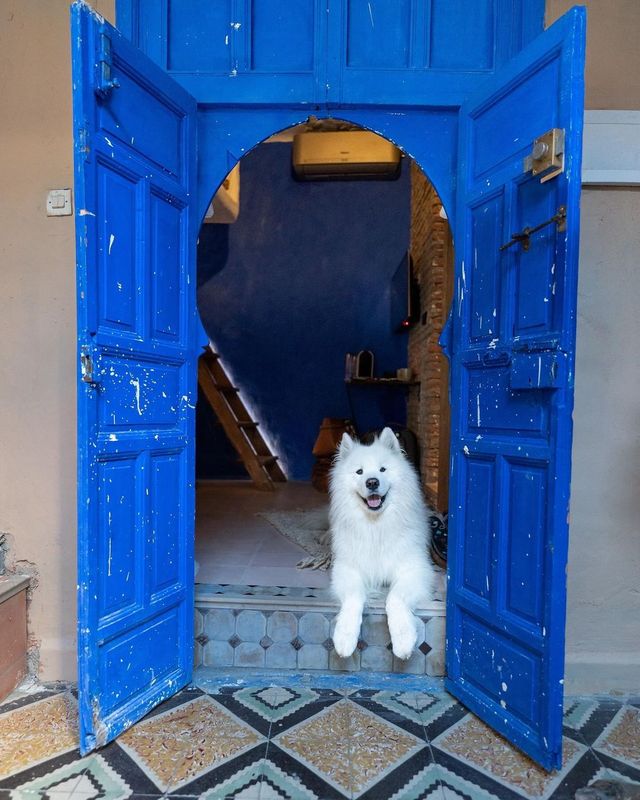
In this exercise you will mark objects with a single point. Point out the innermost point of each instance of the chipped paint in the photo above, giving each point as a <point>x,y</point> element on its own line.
<point>135,382</point>
<point>371,15</point>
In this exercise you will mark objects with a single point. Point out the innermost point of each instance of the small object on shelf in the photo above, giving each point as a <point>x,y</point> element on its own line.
<point>364,364</point>
<point>404,374</point>
<point>349,366</point>
<point>380,382</point>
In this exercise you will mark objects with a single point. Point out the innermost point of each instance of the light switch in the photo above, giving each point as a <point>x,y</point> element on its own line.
<point>59,203</point>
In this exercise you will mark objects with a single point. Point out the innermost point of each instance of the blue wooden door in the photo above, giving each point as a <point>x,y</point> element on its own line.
<point>512,392</point>
<point>136,230</point>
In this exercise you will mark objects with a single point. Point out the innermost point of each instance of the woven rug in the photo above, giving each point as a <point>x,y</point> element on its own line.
<point>309,530</point>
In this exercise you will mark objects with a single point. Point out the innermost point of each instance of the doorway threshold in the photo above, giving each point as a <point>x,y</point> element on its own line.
<point>212,680</point>
<point>240,627</point>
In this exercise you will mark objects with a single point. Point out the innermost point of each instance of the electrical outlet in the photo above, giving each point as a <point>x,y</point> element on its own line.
<point>59,203</point>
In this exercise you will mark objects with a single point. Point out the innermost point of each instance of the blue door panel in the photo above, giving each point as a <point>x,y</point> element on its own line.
<point>197,37</point>
<point>136,112</point>
<point>523,542</point>
<point>168,289</point>
<point>485,221</point>
<point>476,527</point>
<point>136,224</point>
<point>139,396</point>
<point>263,51</point>
<point>494,409</point>
<point>462,35</point>
<point>166,530</point>
<point>282,36</point>
<point>138,670</point>
<point>117,277</point>
<point>513,321</point>
<point>396,52</point>
<point>387,34</point>
<point>534,309</point>
<point>500,135</point>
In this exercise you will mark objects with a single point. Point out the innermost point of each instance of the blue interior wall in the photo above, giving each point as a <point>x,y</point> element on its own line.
<point>302,278</point>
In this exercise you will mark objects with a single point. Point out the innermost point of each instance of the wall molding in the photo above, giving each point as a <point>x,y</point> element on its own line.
<point>611,148</point>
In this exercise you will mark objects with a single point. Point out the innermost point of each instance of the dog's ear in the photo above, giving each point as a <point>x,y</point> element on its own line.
<point>389,439</point>
<point>346,443</point>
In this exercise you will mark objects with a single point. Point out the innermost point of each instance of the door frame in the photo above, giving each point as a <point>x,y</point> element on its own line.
<point>429,135</point>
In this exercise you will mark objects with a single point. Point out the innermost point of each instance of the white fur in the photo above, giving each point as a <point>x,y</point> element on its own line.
<point>377,548</point>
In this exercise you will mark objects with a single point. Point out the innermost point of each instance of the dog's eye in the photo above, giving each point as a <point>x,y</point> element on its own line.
<point>358,472</point>
<point>383,469</point>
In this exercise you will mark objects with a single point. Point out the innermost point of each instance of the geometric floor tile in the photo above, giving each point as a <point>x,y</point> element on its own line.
<point>621,738</point>
<point>37,732</point>
<point>90,778</point>
<point>436,782</point>
<point>420,707</point>
<point>578,712</point>
<point>270,783</point>
<point>606,774</point>
<point>244,785</point>
<point>275,702</point>
<point>276,743</point>
<point>277,785</point>
<point>177,746</point>
<point>350,747</point>
<point>475,744</point>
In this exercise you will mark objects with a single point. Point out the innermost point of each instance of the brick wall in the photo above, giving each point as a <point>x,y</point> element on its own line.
<point>428,408</point>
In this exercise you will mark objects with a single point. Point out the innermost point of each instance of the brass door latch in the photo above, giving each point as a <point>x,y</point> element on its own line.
<point>547,155</point>
<point>523,237</point>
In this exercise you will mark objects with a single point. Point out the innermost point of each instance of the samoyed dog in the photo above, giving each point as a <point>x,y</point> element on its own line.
<point>379,538</point>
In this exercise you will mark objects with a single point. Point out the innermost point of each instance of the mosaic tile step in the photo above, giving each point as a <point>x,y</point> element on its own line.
<point>290,629</point>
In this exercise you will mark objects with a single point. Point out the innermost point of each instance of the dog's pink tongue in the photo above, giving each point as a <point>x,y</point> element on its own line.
<point>374,501</point>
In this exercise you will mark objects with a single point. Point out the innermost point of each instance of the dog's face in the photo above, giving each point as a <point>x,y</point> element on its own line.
<point>369,470</point>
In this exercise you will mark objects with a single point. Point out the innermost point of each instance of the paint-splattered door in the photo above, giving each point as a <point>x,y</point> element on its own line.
<point>512,389</point>
<point>136,229</point>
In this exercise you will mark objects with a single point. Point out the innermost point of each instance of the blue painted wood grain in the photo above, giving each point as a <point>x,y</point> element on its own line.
<point>514,310</point>
<point>136,228</point>
<point>316,52</point>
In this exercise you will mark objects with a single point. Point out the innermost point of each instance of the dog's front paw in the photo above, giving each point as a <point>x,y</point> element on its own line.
<point>404,638</point>
<point>345,640</point>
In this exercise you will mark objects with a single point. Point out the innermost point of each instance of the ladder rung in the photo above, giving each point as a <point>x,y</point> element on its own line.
<point>264,461</point>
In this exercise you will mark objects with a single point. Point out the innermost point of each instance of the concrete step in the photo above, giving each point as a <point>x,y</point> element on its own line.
<point>287,628</point>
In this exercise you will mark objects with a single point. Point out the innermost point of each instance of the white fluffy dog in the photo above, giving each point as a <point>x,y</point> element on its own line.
<point>379,532</point>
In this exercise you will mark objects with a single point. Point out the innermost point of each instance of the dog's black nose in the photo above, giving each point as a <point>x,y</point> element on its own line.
<point>372,483</point>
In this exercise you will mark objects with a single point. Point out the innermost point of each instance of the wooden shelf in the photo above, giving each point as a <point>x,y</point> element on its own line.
<point>380,382</point>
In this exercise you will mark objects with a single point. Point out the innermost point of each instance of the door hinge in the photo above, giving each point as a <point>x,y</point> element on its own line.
<point>105,83</point>
<point>87,367</point>
<point>547,155</point>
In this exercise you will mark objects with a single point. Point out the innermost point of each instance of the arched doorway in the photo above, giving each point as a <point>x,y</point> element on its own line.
<point>512,328</point>
<point>309,271</point>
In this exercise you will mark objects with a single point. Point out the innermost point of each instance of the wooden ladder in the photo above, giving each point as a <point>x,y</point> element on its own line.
<point>242,431</point>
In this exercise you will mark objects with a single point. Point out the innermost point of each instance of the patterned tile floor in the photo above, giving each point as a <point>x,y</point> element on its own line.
<point>278,743</point>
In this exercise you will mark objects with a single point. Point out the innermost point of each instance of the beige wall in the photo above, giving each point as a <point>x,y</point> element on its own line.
<point>603,613</point>
<point>37,350</point>
<point>613,54</point>
<point>37,323</point>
